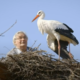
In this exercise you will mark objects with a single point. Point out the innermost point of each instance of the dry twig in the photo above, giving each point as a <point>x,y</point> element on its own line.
<point>8,28</point>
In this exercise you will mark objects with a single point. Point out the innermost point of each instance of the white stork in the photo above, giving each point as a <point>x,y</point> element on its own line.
<point>56,31</point>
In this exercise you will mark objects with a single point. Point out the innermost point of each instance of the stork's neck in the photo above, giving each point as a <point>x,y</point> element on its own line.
<point>42,16</point>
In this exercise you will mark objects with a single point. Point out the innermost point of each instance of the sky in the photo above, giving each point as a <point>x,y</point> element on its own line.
<point>64,11</point>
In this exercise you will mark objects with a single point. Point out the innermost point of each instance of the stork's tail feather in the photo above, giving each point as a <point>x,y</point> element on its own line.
<point>74,39</point>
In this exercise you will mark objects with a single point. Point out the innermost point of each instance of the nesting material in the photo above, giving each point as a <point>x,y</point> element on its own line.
<point>38,65</point>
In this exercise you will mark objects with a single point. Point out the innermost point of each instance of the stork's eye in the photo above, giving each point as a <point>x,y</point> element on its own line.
<point>39,12</point>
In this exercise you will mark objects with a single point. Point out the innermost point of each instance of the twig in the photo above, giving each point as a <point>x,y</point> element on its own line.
<point>8,28</point>
<point>6,48</point>
<point>32,45</point>
<point>38,45</point>
<point>2,54</point>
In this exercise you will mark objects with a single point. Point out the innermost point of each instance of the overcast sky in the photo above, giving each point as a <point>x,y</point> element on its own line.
<point>65,11</point>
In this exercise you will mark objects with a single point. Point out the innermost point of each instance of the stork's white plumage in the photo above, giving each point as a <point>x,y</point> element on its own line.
<point>55,30</point>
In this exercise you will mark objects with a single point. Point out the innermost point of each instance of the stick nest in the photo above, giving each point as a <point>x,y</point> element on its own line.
<point>38,65</point>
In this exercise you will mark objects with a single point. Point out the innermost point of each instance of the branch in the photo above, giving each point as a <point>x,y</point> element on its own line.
<point>8,28</point>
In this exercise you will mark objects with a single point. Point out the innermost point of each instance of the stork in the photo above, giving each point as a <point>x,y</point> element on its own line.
<point>56,31</point>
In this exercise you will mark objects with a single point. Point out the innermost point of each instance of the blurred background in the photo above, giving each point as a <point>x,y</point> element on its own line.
<point>65,11</point>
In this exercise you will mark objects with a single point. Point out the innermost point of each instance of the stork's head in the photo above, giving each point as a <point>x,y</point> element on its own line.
<point>40,13</point>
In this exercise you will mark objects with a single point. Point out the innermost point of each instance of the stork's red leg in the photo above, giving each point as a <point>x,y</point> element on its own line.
<point>70,53</point>
<point>69,47</point>
<point>59,49</point>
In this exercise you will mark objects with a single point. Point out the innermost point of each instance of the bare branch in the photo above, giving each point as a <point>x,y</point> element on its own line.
<point>32,45</point>
<point>38,45</point>
<point>8,28</point>
<point>6,48</point>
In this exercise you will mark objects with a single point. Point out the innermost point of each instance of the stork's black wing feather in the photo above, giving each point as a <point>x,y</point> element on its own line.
<point>67,33</point>
<point>68,27</point>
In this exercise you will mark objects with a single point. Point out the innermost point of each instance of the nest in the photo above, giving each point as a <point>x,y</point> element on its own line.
<point>38,65</point>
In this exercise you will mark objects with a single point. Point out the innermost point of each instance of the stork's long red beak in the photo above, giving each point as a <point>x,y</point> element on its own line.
<point>35,17</point>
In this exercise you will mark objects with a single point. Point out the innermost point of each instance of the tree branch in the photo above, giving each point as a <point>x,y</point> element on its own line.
<point>8,28</point>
